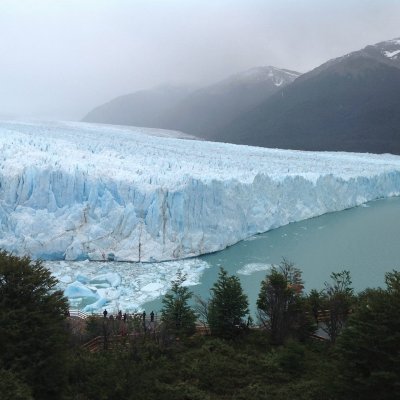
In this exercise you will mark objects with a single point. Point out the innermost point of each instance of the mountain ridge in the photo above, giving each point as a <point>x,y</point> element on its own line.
<point>200,112</point>
<point>350,103</point>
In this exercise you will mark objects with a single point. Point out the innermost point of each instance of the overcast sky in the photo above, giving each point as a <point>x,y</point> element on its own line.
<point>61,58</point>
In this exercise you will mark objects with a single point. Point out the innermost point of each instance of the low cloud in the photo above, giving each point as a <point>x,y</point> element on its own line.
<point>62,58</point>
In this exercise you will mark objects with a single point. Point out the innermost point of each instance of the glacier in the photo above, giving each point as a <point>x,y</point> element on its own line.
<point>77,191</point>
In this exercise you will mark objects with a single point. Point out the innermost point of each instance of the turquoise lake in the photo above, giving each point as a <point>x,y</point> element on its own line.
<point>364,240</point>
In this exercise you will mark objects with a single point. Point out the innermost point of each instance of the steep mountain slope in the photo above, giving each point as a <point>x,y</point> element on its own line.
<point>203,112</point>
<point>206,111</point>
<point>351,103</point>
<point>142,108</point>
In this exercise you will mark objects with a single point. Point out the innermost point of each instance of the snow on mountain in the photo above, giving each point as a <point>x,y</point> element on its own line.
<point>262,74</point>
<point>383,52</point>
<point>389,48</point>
<point>349,103</point>
<point>206,111</point>
<point>77,191</point>
<point>391,54</point>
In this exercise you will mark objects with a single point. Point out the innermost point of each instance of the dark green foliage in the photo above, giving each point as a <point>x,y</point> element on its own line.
<point>211,368</point>
<point>363,364</point>
<point>228,306</point>
<point>203,368</point>
<point>33,334</point>
<point>338,299</point>
<point>176,313</point>
<point>95,327</point>
<point>280,304</point>
<point>292,357</point>
<point>12,388</point>
<point>369,345</point>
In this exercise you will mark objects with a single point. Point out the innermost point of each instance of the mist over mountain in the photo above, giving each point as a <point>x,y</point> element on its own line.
<point>203,112</point>
<point>206,111</point>
<point>351,103</point>
<point>142,108</point>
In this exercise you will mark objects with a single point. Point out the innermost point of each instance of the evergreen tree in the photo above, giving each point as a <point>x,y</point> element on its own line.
<point>368,347</point>
<point>228,306</point>
<point>280,304</point>
<point>33,334</point>
<point>176,313</point>
<point>12,388</point>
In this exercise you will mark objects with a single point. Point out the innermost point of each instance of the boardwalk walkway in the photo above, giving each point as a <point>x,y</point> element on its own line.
<point>119,332</point>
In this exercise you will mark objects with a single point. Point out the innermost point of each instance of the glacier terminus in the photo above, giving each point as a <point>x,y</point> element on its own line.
<point>78,191</point>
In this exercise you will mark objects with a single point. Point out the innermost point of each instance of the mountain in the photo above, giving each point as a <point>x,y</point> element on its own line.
<point>351,103</point>
<point>142,108</point>
<point>204,112</point>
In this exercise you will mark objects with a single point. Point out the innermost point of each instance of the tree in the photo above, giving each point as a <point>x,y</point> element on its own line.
<point>228,306</point>
<point>368,347</point>
<point>176,313</point>
<point>338,298</point>
<point>315,302</point>
<point>33,333</point>
<point>280,304</point>
<point>11,388</point>
<point>201,309</point>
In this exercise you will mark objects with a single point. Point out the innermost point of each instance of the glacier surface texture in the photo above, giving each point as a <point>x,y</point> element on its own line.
<point>75,191</point>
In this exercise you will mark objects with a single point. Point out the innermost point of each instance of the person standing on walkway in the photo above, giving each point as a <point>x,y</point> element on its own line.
<point>144,320</point>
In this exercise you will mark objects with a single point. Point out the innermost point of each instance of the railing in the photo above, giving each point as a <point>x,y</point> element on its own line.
<point>319,338</point>
<point>95,344</point>
<point>109,342</point>
<point>78,314</point>
<point>323,315</point>
<point>149,325</point>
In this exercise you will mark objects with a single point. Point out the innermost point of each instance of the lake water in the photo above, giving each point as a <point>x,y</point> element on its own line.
<point>364,240</point>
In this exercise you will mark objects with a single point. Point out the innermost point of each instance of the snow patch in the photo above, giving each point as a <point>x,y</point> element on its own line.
<point>391,54</point>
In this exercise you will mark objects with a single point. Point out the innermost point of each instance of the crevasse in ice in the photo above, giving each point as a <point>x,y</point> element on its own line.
<point>79,191</point>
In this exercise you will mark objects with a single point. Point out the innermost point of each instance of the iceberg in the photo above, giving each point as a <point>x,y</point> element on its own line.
<point>128,285</point>
<point>95,306</point>
<point>250,269</point>
<point>78,191</point>
<point>78,289</point>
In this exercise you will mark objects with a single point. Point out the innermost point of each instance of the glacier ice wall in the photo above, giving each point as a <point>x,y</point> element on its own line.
<point>79,191</point>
